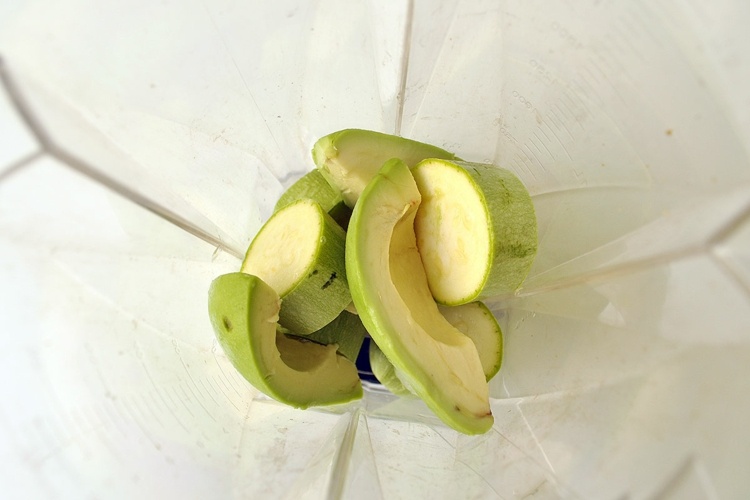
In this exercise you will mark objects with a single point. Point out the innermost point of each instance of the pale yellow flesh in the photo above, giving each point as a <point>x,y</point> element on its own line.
<point>452,232</point>
<point>285,247</point>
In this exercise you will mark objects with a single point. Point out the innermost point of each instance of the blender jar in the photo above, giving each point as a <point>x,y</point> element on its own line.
<point>142,144</point>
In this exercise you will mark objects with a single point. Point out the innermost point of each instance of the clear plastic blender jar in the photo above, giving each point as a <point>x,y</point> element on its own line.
<point>142,145</point>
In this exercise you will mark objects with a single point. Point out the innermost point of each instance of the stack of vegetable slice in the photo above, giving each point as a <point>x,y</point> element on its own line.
<point>411,239</point>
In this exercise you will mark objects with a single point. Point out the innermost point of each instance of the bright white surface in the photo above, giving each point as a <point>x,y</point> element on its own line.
<point>627,355</point>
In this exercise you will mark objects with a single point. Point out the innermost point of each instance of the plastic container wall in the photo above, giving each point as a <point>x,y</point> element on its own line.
<point>142,144</point>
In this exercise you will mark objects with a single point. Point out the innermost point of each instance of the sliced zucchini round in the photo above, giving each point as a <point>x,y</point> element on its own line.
<point>299,252</point>
<point>477,322</point>
<point>476,230</point>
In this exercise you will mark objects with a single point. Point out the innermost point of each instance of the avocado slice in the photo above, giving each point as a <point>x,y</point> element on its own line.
<point>479,324</point>
<point>349,158</point>
<point>390,291</point>
<point>299,252</point>
<point>244,310</point>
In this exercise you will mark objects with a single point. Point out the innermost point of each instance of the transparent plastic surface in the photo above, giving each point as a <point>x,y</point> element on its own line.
<point>142,144</point>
